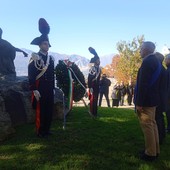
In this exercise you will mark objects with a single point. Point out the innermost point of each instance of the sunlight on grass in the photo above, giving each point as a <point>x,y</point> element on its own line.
<point>33,147</point>
<point>110,142</point>
<point>5,157</point>
<point>146,167</point>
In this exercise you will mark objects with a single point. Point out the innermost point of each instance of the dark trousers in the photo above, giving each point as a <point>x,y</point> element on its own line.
<point>93,103</point>
<point>122,101</point>
<point>44,109</point>
<point>168,120</point>
<point>115,102</point>
<point>159,117</point>
<point>106,96</point>
<point>129,99</point>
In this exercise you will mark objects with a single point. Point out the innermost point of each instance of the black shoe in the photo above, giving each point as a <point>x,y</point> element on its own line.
<point>41,135</point>
<point>168,131</point>
<point>146,157</point>
<point>142,152</point>
<point>49,133</point>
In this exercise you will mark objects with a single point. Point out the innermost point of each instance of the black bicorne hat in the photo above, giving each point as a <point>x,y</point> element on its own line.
<point>44,29</point>
<point>1,32</point>
<point>96,57</point>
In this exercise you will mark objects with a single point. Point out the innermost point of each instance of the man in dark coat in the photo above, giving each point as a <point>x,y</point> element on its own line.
<point>147,98</point>
<point>159,116</point>
<point>104,89</point>
<point>41,79</point>
<point>167,62</point>
<point>130,92</point>
<point>7,56</point>
<point>122,89</point>
<point>93,81</point>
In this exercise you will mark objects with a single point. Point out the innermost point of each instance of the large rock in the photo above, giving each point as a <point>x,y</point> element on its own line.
<point>5,121</point>
<point>16,108</point>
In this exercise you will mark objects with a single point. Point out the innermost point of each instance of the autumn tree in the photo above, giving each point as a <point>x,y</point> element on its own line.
<point>129,59</point>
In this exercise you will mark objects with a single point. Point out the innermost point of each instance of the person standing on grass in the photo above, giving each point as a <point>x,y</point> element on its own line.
<point>159,117</point>
<point>104,89</point>
<point>114,96</point>
<point>147,98</point>
<point>167,62</point>
<point>93,82</point>
<point>41,80</point>
<point>130,92</point>
<point>122,89</point>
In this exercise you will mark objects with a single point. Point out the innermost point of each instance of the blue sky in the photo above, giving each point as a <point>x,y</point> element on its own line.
<point>78,24</point>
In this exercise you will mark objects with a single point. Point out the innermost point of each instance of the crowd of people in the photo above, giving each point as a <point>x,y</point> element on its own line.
<point>118,93</point>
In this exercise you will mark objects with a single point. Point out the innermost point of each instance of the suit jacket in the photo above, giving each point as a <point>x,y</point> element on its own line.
<point>104,85</point>
<point>147,91</point>
<point>168,89</point>
<point>163,89</point>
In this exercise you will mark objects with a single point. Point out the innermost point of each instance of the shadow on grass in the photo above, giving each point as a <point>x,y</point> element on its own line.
<point>111,141</point>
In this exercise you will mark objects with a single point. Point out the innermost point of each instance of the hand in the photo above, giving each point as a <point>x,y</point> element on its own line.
<point>91,90</point>
<point>53,91</point>
<point>37,95</point>
<point>25,54</point>
<point>139,108</point>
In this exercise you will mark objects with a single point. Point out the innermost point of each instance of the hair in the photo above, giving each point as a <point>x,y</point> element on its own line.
<point>1,33</point>
<point>159,56</point>
<point>167,60</point>
<point>167,56</point>
<point>149,46</point>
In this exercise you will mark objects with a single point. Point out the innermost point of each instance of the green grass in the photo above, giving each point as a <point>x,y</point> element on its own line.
<point>110,142</point>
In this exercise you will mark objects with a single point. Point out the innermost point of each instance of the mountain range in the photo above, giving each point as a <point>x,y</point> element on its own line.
<point>21,62</point>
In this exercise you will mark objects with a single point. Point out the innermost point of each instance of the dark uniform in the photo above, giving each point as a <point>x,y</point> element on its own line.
<point>41,79</point>
<point>45,86</point>
<point>93,83</point>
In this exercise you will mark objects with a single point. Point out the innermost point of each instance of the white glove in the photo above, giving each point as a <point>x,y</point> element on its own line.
<point>37,95</point>
<point>91,90</point>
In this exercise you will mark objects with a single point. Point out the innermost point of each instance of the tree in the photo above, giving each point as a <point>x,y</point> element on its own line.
<point>109,69</point>
<point>129,60</point>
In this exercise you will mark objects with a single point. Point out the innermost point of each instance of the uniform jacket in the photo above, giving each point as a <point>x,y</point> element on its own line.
<point>47,77</point>
<point>94,78</point>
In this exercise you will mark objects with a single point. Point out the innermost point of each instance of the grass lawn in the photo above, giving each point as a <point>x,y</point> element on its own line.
<point>110,142</point>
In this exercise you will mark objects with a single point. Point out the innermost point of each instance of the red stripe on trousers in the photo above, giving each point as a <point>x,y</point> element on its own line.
<point>37,121</point>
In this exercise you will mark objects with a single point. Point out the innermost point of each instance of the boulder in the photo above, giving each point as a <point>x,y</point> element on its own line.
<point>16,108</point>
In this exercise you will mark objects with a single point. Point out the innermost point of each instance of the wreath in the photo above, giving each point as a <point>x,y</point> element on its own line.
<point>63,81</point>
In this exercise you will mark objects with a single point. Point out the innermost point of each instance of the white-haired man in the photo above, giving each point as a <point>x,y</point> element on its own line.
<point>147,98</point>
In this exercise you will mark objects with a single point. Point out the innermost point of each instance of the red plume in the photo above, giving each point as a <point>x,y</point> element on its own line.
<point>44,28</point>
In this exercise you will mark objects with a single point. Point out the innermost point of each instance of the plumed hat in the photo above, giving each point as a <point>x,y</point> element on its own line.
<point>96,57</point>
<point>44,29</point>
<point>0,32</point>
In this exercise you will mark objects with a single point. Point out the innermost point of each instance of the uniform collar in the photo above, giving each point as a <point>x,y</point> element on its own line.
<point>45,54</point>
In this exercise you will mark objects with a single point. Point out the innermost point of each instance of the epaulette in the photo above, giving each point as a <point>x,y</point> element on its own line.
<point>35,56</point>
